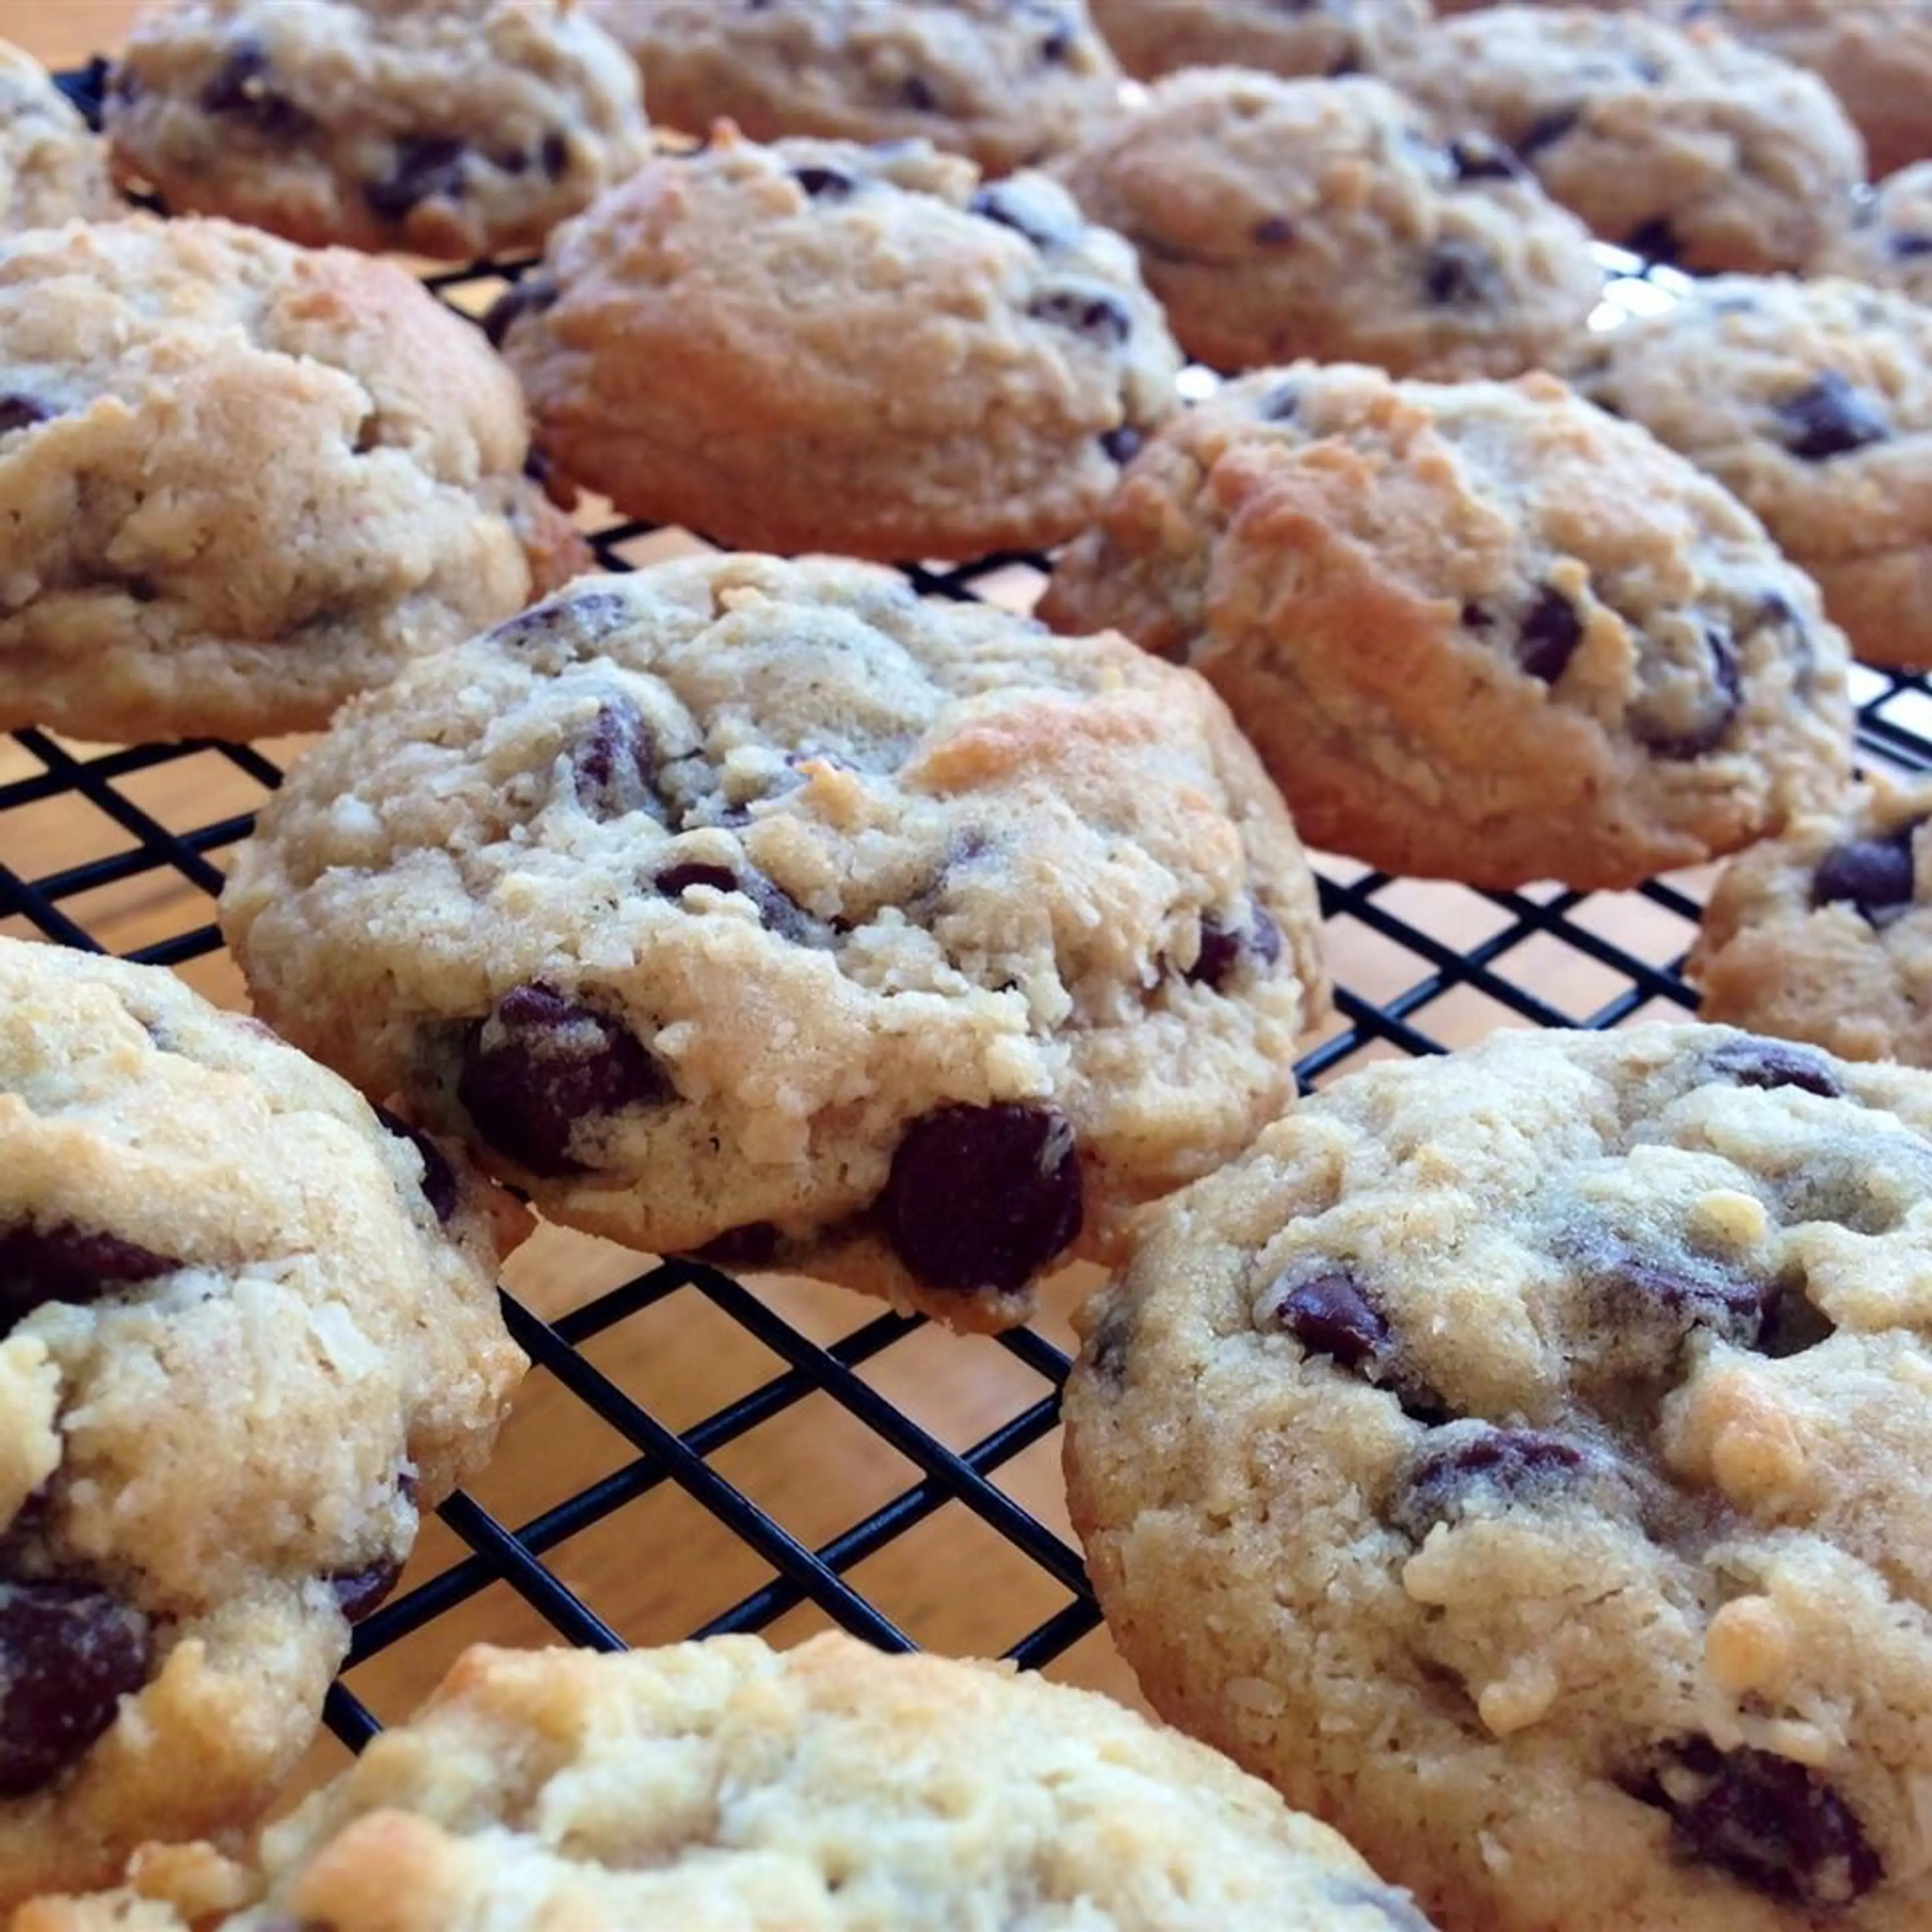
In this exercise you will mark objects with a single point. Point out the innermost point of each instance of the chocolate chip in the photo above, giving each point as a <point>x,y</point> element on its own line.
<point>20,412</point>
<point>1717,713</point>
<point>1223,946</point>
<point>916,93</point>
<point>530,296</point>
<point>1907,245</point>
<point>755,1244</point>
<point>1549,632</point>
<point>1329,1316</point>
<point>68,1655</point>
<point>1086,311</point>
<point>674,881</point>
<point>359,1591</point>
<point>65,1263</point>
<point>439,1182</point>
<point>1793,1323</point>
<point>1874,875</point>
<point>1499,1467</point>
<point>541,1064</point>
<point>1278,404</point>
<point>426,167</point>
<point>779,912</point>
<point>1273,231</point>
<point>1473,617</point>
<point>240,93</point>
<point>554,154</point>
<point>1476,157</point>
<point>87,88</point>
<point>1546,130</point>
<point>824,183</point>
<point>1830,417</point>
<point>1111,1341</point>
<point>983,1197</point>
<point>596,613</point>
<point>1655,240</point>
<point>1457,274</point>
<point>616,763</point>
<point>1122,445</point>
<point>1012,208</point>
<point>1753,1061</point>
<point>1683,1291</point>
<point>1773,1824</point>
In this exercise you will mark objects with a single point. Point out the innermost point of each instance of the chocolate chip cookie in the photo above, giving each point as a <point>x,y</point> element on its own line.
<point>818,346</point>
<point>455,128</point>
<point>51,168</point>
<point>1677,141</point>
<point>768,910</point>
<point>1329,36</point>
<point>1824,934</point>
<point>1279,218</point>
<point>723,1784</point>
<point>1519,1458</point>
<point>247,1332</point>
<point>1006,82</point>
<point>1888,241</point>
<point>1812,402</point>
<point>1481,631</point>
<point>240,480</point>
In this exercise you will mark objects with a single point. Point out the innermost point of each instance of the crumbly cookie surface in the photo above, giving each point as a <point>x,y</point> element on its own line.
<point>52,169</point>
<point>1331,37</point>
<point>241,480</point>
<point>246,1335</point>
<point>1812,401</point>
<point>1481,631</point>
<point>450,128</point>
<point>816,346</point>
<point>1887,240</point>
<point>768,908</point>
<point>1824,934</point>
<point>723,1785</point>
<point>1679,143</point>
<point>1277,219</point>
<point>1006,82</point>
<point>1519,1457</point>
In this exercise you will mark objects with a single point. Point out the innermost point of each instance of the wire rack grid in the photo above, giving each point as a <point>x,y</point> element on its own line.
<point>129,843</point>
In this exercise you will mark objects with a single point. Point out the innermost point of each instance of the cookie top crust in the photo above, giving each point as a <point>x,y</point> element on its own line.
<point>204,1236</point>
<point>1336,38</point>
<point>53,167</point>
<point>1542,1431</point>
<point>457,128</point>
<point>1888,240</point>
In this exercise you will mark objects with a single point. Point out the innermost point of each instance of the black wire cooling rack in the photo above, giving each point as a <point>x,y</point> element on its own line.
<point>623,1462</point>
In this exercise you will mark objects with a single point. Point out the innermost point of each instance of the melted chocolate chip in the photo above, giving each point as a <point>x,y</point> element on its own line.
<point>68,1655</point>
<point>1476,157</point>
<point>1111,1341</point>
<point>1546,130</point>
<point>541,1064</point>
<point>1717,714</point>
<point>616,763</point>
<point>530,296</point>
<point>1122,445</point>
<point>1776,1825</point>
<point>554,155</point>
<point>1223,946</point>
<point>824,183</point>
<point>1874,875</point>
<point>1753,1061</point>
<point>20,412</point>
<point>65,1263</point>
<point>1328,1315</point>
<point>1550,631</point>
<point>1273,231</point>
<point>240,93</point>
<point>915,92</point>
<point>1683,1291</point>
<point>1457,274</point>
<point>983,1197</point>
<point>596,613</point>
<point>1086,311</point>
<point>359,1591</point>
<point>1830,417</point>
<point>427,167</point>
<point>779,912</point>
<point>87,88</point>
<point>1655,240</point>
<point>1498,1467</point>
<point>439,1182</point>
<point>1010,207</point>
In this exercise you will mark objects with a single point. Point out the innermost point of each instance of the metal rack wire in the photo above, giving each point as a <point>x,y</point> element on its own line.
<point>145,828</point>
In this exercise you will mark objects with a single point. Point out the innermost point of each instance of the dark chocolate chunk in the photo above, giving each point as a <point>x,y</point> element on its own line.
<point>241,93</point>
<point>439,1182</point>
<point>824,183</point>
<point>983,1197</point>
<point>1087,311</point>
<point>1012,208</point>
<point>359,1591</point>
<point>530,296</point>
<point>87,88</point>
<point>616,763</point>
<point>1123,444</point>
<point>1458,274</point>
<point>65,1263</point>
<point>1830,417</point>
<point>426,167</point>
<point>1774,1824</point>
<point>1546,130</point>
<point>1476,157</point>
<point>540,1064</point>
<point>1717,713</point>
<point>1223,946</point>
<point>1655,240</point>
<point>1753,1061</point>
<point>20,412</point>
<point>598,613</point>
<point>1329,1316</point>
<point>1550,631</point>
<point>554,154</point>
<point>779,912</point>
<point>68,1655</point>
<point>1874,875</point>
<point>1273,231</point>
<point>1499,1467</point>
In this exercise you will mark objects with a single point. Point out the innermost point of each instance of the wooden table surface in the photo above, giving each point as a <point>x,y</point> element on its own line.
<point>660,1566</point>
